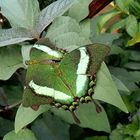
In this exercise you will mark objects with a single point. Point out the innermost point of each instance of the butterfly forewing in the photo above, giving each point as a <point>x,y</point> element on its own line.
<point>47,79</point>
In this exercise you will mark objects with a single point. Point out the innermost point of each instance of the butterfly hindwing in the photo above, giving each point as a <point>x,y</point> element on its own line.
<point>97,53</point>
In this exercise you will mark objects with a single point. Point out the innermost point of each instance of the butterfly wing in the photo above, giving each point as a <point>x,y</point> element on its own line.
<point>44,79</point>
<point>97,53</point>
<point>63,81</point>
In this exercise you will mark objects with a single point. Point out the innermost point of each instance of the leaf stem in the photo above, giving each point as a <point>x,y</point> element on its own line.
<point>10,106</point>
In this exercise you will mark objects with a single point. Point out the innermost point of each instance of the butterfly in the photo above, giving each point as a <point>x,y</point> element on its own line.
<point>62,79</point>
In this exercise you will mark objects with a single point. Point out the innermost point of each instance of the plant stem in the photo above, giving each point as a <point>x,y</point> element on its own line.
<point>10,106</point>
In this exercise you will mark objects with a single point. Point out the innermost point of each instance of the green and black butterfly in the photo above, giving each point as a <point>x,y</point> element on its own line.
<point>62,79</point>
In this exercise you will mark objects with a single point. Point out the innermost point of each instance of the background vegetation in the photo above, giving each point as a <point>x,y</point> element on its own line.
<point>118,27</point>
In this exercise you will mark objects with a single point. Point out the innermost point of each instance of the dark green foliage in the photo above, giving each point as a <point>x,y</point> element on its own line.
<point>123,38</point>
<point>44,3</point>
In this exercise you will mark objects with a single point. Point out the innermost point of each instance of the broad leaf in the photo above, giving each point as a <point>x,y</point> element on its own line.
<point>61,25</point>
<point>11,61</point>
<point>106,90</point>
<point>134,55</point>
<point>120,86</point>
<point>134,40</point>
<point>14,36</point>
<point>106,17</point>
<point>54,10</point>
<point>88,116</point>
<point>124,76</point>
<point>94,26</point>
<point>11,95</point>
<point>115,50</point>
<point>132,66</point>
<point>131,25</point>
<point>66,34</point>
<point>5,126</point>
<point>20,13</point>
<point>135,75</point>
<point>105,38</point>
<point>123,5</point>
<point>79,10</point>
<point>117,133</point>
<point>52,128</point>
<point>24,134</point>
<point>70,41</point>
<point>117,25</point>
<point>85,28</point>
<point>25,116</point>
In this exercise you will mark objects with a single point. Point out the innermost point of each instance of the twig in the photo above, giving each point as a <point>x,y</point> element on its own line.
<point>10,106</point>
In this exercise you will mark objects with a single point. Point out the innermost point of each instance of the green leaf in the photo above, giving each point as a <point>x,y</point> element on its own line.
<point>14,36</point>
<point>52,128</point>
<point>24,134</point>
<point>94,27</point>
<point>79,10</point>
<point>115,50</point>
<point>130,129</point>
<point>134,40</point>
<point>5,126</point>
<point>88,116</point>
<point>134,55</point>
<point>135,75</point>
<point>70,41</point>
<point>11,61</point>
<point>124,76</point>
<point>85,28</point>
<point>131,25</point>
<point>20,13</point>
<point>11,95</point>
<point>61,25</point>
<point>123,5</point>
<point>24,116</point>
<point>134,8</point>
<point>132,66</point>
<point>66,34</point>
<point>119,84</point>
<point>117,133</point>
<point>136,96</point>
<point>105,38</point>
<point>52,11</point>
<point>106,90</point>
<point>106,17</point>
<point>117,25</point>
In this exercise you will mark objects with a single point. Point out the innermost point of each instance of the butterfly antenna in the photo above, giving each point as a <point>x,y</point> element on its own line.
<point>75,117</point>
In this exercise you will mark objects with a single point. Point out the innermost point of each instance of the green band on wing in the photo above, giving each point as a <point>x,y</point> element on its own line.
<point>46,91</point>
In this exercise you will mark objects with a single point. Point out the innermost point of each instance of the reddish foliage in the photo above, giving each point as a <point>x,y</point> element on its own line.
<point>96,6</point>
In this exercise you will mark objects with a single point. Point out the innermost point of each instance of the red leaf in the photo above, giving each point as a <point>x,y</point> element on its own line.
<point>96,6</point>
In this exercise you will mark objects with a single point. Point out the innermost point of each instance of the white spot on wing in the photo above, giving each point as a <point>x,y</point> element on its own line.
<point>81,71</point>
<point>48,50</point>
